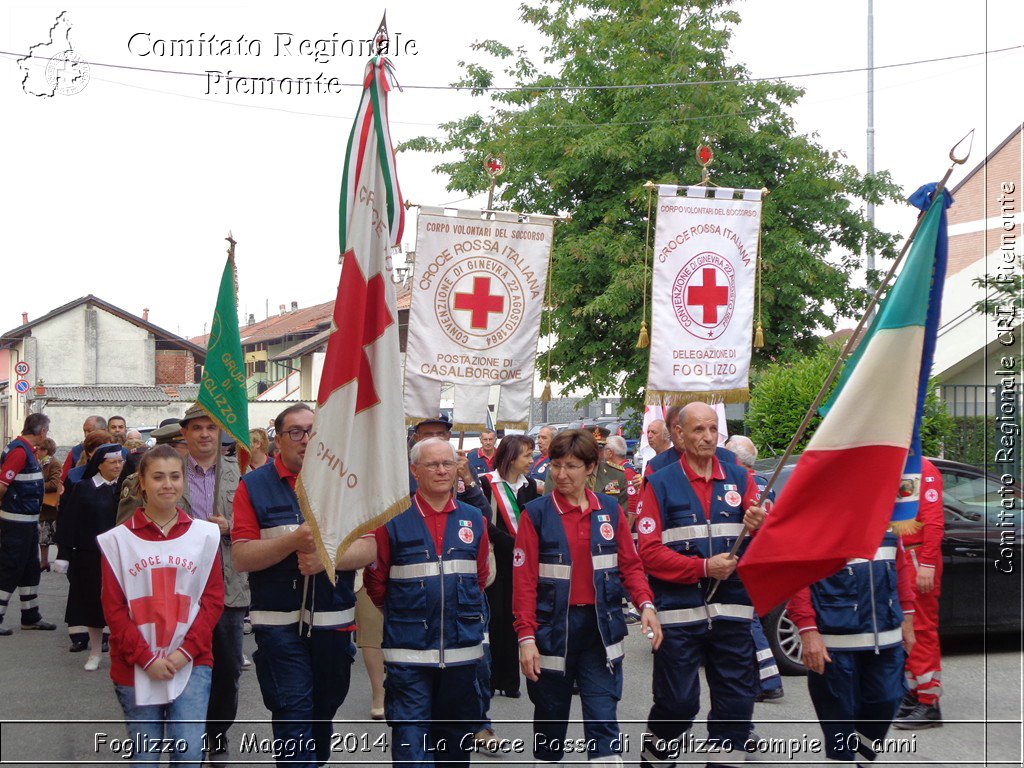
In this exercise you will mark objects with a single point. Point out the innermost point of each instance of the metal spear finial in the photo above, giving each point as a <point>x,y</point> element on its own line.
<point>381,40</point>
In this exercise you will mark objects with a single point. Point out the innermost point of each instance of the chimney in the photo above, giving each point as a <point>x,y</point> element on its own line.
<point>295,306</point>
<point>281,308</point>
<point>145,314</point>
<point>24,318</point>
<point>252,320</point>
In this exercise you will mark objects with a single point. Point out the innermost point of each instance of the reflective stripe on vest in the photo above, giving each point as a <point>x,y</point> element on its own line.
<point>433,656</point>
<point>554,571</point>
<point>323,619</point>
<point>14,517</point>
<point>883,553</point>
<point>703,613</point>
<point>278,531</point>
<point>29,476</point>
<point>427,570</point>
<point>605,561</point>
<point>863,640</point>
<point>684,533</point>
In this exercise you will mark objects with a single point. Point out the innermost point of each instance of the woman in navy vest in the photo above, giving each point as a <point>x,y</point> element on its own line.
<point>574,555</point>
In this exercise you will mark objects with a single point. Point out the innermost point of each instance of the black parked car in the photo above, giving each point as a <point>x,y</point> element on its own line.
<point>981,555</point>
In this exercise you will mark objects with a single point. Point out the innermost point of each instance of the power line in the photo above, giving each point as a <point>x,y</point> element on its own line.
<point>563,88</point>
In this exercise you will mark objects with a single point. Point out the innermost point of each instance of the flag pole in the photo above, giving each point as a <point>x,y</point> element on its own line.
<point>956,159</point>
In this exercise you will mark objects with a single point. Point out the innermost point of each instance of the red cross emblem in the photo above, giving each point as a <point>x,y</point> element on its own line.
<point>165,608</point>
<point>518,557</point>
<point>494,165</point>
<point>481,303</point>
<point>709,296</point>
<point>361,315</point>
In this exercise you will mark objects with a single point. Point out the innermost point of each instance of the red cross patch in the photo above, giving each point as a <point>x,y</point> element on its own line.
<point>733,498</point>
<point>931,495</point>
<point>646,525</point>
<point>518,557</point>
<point>607,532</point>
<point>466,534</point>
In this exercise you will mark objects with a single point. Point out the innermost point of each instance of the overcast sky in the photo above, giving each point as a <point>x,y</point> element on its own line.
<point>127,189</point>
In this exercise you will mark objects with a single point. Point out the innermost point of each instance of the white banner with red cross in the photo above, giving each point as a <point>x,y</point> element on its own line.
<point>705,259</point>
<point>478,292</point>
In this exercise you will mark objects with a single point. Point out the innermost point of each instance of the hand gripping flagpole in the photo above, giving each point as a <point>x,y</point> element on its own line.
<point>957,159</point>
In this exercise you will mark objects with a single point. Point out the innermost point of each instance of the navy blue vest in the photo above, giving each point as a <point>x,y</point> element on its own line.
<point>672,456</point>
<point>553,582</point>
<point>685,529</point>
<point>24,496</point>
<point>858,607</point>
<point>434,611</point>
<point>277,590</point>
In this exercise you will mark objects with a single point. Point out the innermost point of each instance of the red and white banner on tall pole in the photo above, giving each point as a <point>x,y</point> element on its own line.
<point>478,292</point>
<point>705,257</point>
<point>354,476</point>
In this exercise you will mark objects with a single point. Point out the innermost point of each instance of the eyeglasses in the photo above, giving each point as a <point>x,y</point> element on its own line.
<point>437,466</point>
<point>297,433</point>
<point>567,467</point>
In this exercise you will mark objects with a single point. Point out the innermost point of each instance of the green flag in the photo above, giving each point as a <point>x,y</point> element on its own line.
<point>222,393</point>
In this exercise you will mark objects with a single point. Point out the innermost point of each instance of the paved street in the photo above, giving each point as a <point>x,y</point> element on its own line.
<point>55,713</point>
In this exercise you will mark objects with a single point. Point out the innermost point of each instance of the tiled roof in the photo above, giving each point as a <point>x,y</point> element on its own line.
<point>308,320</point>
<point>120,394</point>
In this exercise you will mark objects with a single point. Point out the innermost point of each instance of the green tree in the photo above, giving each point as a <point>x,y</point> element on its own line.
<point>588,152</point>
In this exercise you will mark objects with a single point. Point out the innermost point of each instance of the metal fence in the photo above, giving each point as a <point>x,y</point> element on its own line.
<point>987,425</point>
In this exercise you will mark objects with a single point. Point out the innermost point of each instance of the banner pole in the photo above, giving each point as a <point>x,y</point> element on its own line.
<point>850,343</point>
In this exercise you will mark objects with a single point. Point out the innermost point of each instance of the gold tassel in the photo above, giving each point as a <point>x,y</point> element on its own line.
<point>758,337</point>
<point>905,527</point>
<point>545,396</point>
<point>643,341</point>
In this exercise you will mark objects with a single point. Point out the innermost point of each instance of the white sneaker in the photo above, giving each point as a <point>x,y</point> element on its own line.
<point>246,663</point>
<point>92,664</point>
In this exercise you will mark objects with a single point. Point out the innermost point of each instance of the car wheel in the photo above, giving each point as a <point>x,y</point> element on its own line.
<point>784,640</point>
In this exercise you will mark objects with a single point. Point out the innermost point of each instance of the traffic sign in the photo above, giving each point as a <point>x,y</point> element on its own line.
<point>22,368</point>
<point>21,386</point>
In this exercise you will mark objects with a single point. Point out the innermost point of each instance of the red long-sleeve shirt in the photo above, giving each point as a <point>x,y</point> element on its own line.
<point>375,576</point>
<point>801,609</point>
<point>244,526</point>
<point>660,561</point>
<point>576,522</point>
<point>14,463</point>
<point>927,542</point>
<point>127,645</point>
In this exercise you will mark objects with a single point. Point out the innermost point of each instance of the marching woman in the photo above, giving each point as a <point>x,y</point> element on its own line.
<point>573,557</point>
<point>88,511</point>
<point>508,489</point>
<point>163,592</point>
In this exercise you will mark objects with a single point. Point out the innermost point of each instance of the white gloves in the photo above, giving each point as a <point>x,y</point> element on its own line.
<point>59,566</point>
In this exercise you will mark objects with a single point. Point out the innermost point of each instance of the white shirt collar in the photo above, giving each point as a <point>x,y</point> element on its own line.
<point>98,480</point>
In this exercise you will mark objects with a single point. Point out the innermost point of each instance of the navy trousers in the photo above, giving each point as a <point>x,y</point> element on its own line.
<point>304,680</point>
<point>856,699</point>
<point>768,670</point>
<point>19,568</point>
<point>586,665</point>
<point>726,649</point>
<point>433,713</point>
<point>227,668</point>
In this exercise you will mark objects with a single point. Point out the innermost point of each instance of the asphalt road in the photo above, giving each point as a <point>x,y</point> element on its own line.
<point>52,712</point>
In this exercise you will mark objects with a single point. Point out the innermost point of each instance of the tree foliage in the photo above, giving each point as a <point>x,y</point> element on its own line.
<point>588,153</point>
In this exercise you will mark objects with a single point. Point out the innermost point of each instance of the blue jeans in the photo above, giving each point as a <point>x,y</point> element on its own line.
<point>181,722</point>
<point>227,668</point>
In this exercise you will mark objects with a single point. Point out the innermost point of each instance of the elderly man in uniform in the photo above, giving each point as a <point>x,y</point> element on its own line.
<point>539,468</point>
<point>481,460</point>
<point>303,636</point>
<point>691,513</point>
<point>667,458</point>
<point>21,499</point>
<point>429,581</point>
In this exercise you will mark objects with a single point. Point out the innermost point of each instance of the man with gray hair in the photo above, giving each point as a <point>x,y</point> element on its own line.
<point>771,680</point>
<point>92,423</point>
<point>429,580</point>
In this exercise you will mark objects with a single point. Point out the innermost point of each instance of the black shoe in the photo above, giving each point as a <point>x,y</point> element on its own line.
<point>513,694</point>
<point>907,704</point>
<point>106,644</point>
<point>43,625</point>
<point>772,695</point>
<point>77,646</point>
<point>5,632</point>
<point>920,717</point>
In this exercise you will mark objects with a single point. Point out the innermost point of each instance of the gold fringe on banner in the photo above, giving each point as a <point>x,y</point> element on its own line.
<point>905,527</point>
<point>644,340</point>
<point>759,333</point>
<point>512,425</point>
<point>466,427</point>
<point>545,396</point>
<point>663,397</point>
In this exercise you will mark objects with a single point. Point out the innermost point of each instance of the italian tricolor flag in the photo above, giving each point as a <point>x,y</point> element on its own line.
<point>841,497</point>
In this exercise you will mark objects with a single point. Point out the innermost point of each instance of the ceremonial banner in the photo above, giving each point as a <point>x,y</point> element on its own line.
<point>354,476</point>
<point>222,392</point>
<point>841,496</point>
<point>705,255</point>
<point>478,292</point>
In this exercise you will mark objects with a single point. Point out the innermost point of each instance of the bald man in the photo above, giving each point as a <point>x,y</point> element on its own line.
<point>666,457</point>
<point>690,514</point>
